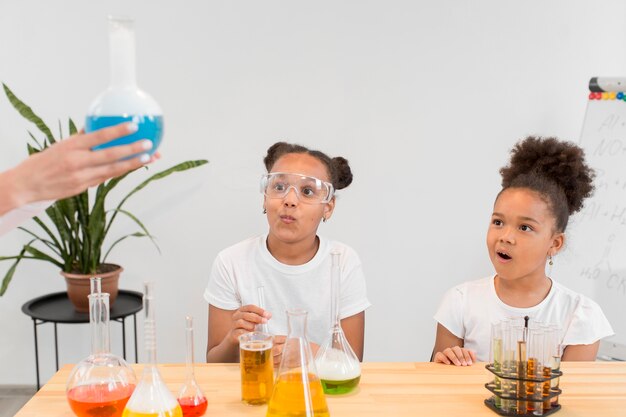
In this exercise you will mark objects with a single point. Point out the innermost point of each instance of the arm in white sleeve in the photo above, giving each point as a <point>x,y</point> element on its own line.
<point>15,217</point>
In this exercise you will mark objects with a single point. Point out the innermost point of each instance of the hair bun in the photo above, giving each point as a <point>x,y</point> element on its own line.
<point>560,162</point>
<point>342,174</point>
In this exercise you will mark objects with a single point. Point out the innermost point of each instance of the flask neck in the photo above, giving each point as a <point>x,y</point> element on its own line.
<point>335,274</point>
<point>297,320</point>
<point>149,324</point>
<point>99,322</point>
<point>189,355</point>
<point>122,52</point>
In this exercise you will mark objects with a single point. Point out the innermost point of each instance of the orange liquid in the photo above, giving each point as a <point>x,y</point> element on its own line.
<point>288,399</point>
<point>98,400</point>
<point>192,407</point>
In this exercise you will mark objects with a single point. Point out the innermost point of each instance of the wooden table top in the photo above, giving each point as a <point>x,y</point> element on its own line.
<point>386,389</point>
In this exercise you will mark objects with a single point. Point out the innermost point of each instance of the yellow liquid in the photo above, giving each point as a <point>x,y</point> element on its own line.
<point>288,399</point>
<point>257,373</point>
<point>174,412</point>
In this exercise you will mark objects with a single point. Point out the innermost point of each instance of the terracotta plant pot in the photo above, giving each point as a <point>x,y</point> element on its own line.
<point>79,287</point>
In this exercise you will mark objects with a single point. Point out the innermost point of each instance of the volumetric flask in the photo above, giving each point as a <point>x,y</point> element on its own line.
<point>339,368</point>
<point>190,397</point>
<point>151,398</point>
<point>123,101</point>
<point>297,391</point>
<point>101,384</point>
<point>257,368</point>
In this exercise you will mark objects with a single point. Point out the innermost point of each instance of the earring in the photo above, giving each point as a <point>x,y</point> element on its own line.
<point>324,219</point>
<point>264,210</point>
<point>550,262</point>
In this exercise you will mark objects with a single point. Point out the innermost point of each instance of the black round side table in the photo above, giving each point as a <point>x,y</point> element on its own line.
<point>56,308</point>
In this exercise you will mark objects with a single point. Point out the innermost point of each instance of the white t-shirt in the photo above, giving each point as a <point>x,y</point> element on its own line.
<point>240,269</point>
<point>469,309</point>
<point>15,217</point>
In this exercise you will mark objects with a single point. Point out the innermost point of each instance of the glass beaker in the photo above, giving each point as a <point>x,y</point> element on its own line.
<point>123,101</point>
<point>190,397</point>
<point>339,368</point>
<point>257,367</point>
<point>102,383</point>
<point>297,391</point>
<point>151,398</point>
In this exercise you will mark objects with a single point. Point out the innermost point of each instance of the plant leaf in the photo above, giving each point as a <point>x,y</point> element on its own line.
<point>57,244</point>
<point>136,220</point>
<point>28,113</point>
<point>9,275</point>
<point>46,242</point>
<point>42,256</point>
<point>36,141</point>
<point>136,234</point>
<point>72,127</point>
<point>183,166</point>
<point>56,217</point>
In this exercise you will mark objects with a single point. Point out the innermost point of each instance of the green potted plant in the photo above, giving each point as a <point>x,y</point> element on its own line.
<point>73,235</point>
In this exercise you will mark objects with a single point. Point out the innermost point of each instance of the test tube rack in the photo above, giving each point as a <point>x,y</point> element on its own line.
<point>498,395</point>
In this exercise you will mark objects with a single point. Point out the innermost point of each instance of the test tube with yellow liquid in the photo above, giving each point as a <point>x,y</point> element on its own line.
<point>298,390</point>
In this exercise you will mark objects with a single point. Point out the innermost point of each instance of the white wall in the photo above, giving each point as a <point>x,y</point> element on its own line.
<point>423,98</point>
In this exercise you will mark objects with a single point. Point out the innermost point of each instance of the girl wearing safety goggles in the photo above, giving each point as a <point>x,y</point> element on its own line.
<point>291,261</point>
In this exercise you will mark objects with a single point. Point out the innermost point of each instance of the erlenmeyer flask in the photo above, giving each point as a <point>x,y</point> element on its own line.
<point>190,397</point>
<point>338,366</point>
<point>102,383</point>
<point>297,391</point>
<point>123,101</point>
<point>151,398</point>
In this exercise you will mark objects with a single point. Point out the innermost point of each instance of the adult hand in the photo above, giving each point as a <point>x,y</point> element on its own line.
<point>244,320</point>
<point>455,355</point>
<point>70,166</point>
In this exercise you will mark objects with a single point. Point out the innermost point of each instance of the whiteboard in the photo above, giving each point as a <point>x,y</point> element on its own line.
<point>594,260</point>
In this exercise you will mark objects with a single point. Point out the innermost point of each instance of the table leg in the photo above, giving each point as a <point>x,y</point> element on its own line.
<point>56,346</point>
<point>135,325</point>
<point>124,338</point>
<point>36,353</point>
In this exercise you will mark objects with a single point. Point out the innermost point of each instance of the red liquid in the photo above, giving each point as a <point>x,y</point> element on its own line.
<point>192,406</point>
<point>98,400</point>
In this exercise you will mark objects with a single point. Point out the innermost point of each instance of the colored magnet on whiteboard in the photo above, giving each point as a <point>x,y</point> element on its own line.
<point>605,96</point>
<point>619,96</point>
<point>612,95</point>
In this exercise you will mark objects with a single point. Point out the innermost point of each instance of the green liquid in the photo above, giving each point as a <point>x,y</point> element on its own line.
<point>340,387</point>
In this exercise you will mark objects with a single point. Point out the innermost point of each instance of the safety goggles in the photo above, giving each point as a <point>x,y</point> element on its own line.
<point>309,190</point>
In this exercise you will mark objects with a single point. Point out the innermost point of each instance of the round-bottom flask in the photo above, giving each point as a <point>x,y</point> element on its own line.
<point>101,384</point>
<point>339,368</point>
<point>123,101</point>
<point>297,391</point>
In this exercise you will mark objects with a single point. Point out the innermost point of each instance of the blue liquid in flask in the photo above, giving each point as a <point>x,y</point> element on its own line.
<point>148,127</point>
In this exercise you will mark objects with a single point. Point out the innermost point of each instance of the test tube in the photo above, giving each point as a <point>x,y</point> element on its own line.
<point>262,327</point>
<point>521,358</point>
<point>534,390</point>
<point>508,368</point>
<point>553,358</point>
<point>495,359</point>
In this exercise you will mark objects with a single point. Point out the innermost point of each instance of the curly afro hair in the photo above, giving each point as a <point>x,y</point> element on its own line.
<point>555,169</point>
<point>338,167</point>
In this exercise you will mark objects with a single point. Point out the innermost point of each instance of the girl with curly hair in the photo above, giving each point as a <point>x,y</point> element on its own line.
<point>545,182</point>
